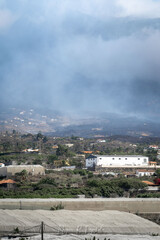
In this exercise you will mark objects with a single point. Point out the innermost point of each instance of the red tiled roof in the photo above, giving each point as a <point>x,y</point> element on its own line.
<point>87,152</point>
<point>7,181</point>
<point>149,183</point>
<point>144,170</point>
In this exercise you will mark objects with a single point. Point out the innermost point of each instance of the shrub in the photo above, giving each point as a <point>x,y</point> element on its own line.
<point>16,230</point>
<point>47,180</point>
<point>57,207</point>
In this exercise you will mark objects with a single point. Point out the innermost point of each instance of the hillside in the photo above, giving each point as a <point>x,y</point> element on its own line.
<point>54,123</point>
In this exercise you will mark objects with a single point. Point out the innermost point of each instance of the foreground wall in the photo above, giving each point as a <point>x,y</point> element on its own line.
<point>132,205</point>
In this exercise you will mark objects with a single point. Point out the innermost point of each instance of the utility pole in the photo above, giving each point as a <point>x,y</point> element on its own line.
<point>42,228</point>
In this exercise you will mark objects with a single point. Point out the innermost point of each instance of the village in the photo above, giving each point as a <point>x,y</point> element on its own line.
<point>37,165</point>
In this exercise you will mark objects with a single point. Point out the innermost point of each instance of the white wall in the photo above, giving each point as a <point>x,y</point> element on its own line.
<point>90,162</point>
<point>3,171</point>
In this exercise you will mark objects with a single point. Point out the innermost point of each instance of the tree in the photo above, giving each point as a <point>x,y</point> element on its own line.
<point>74,137</point>
<point>6,146</point>
<point>14,131</point>
<point>22,173</point>
<point>39,136</point>
<point>45,139</point>
<point>52,158</point>
<point>157,181</point>
<point>61,150</point>
<point>157,173</point>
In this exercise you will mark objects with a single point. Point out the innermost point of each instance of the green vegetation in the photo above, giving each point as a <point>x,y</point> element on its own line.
<point>157,173</point>
<point>155,234</point>
<point>57,207</point>
<point>16,230</point>
<point>69,184</point>
<point>149,195</point>
<point>68,151</point>
<point>13,144</point>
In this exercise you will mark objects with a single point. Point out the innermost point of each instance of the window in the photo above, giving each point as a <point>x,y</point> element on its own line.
<point>138,158</point>
<point>119,158</point>
<point>125,158</point>
<point>145,160</point>
<point>112,158</point>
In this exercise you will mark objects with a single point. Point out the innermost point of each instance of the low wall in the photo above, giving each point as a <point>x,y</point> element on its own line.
<point>132,205</point>
<point>122,169</point>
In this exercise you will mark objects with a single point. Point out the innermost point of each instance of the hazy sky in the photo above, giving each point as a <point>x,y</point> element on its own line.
<point>81,56</point>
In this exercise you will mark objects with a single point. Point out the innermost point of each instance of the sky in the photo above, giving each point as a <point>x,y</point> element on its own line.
<point>81,56</point>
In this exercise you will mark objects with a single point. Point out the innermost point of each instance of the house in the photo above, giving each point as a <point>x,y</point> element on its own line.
<point>151,186</point>
<point>69,145</point>
<point>152,163</point>
<point>149,183</point>
<point>30,150</point>
<point>129,174</point>
<point>144,172</point>
<point>109,174</point>
<point>9,184</point>
<point>155,147</point>
<point>55,146</point>
<point>116,160</point>
<point>101,141</point>
<point>87,152</point>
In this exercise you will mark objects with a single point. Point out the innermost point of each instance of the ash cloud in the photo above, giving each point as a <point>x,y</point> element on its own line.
<point>78,57</point>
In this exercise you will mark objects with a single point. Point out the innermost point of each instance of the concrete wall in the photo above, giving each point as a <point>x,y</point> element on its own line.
<point>13,169</point>
<point>121,169</point>
<point>122,204</point>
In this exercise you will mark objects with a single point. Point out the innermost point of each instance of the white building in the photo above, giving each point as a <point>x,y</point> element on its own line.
<point>2,165</point>
<point>116,160</point>
<point>69,145</point>
<point>143,172</point>
<point>155,147</point>
<point>101,141</point>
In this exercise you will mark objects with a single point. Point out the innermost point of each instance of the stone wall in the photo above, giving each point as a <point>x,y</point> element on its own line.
<point>13,169</point>
<point>123,169</point>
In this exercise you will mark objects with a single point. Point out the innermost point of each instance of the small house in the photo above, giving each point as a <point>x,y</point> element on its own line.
<point>144,172</point>
<point>9,184</point>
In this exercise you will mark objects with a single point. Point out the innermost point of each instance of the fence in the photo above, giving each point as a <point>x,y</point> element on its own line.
<point>43,228</point>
